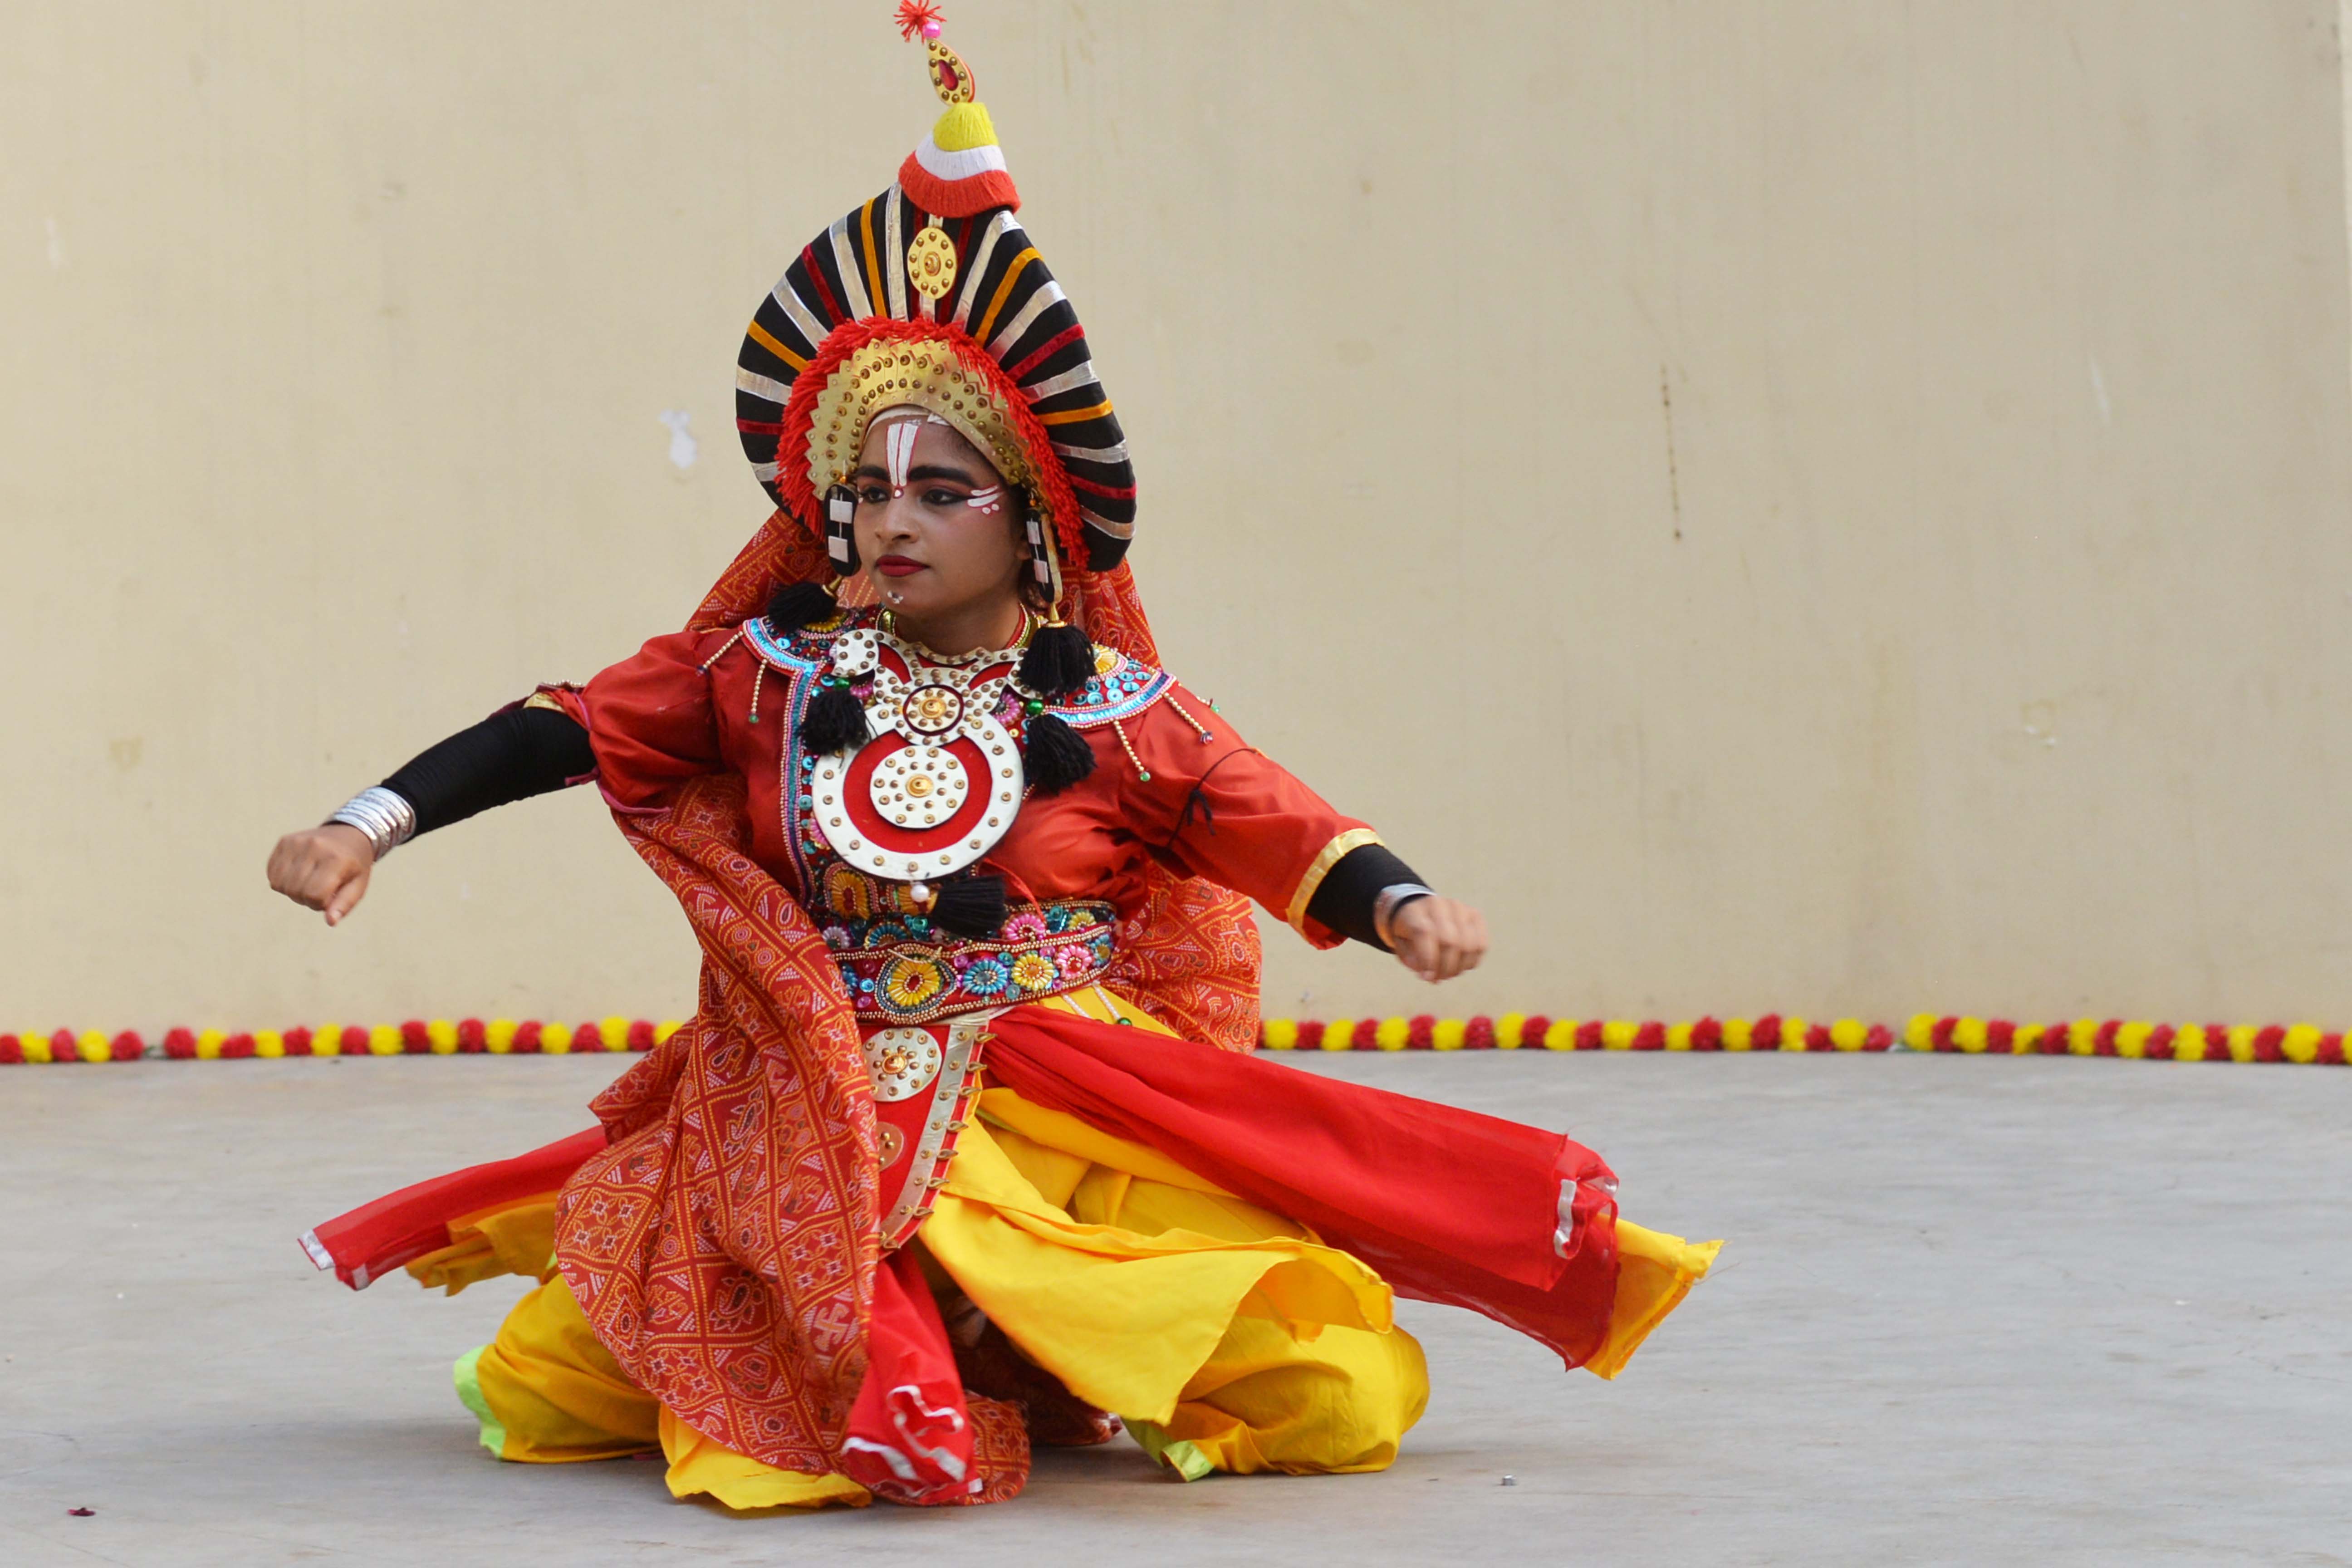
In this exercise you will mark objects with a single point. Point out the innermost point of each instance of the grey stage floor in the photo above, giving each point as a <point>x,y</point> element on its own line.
<point>1973,1312</point>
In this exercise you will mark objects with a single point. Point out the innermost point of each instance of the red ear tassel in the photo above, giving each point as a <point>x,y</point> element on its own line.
<point>918,16</point>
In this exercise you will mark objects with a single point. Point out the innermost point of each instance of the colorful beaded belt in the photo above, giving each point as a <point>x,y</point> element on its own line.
<point>900,977</point>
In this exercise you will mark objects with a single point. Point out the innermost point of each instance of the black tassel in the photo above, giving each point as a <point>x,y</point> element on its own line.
<point>797,607</point>
<point>1059,663</point>
<point>970,907</point>
<point>835,721</point>
<point>1053,756</point>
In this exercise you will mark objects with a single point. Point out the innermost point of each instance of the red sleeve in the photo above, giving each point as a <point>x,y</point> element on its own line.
<point>1225,811</point>
<point>650,721</point>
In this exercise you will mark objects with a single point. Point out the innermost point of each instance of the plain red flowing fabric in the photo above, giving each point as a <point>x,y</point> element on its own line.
<point>1450,1206</point>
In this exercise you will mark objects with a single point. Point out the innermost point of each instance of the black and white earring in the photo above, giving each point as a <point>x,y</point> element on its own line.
<point>840,529</point>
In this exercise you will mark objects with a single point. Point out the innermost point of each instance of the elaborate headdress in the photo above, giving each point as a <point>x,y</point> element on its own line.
<point>930,294</point>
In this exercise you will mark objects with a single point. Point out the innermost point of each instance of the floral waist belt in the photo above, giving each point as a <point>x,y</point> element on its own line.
<point>900,976</point>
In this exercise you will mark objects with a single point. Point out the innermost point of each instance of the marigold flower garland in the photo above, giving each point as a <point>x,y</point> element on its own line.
<point>2303,1043</point>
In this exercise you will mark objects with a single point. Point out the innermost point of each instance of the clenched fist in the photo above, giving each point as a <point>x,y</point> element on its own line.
<point>326,869</point>
<point>1438,938</point>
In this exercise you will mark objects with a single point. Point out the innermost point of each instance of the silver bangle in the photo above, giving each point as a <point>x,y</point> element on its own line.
<point>386,817</point>
<point>1392,899</point>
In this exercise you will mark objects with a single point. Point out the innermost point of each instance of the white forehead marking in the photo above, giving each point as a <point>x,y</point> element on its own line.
<point>900,442</point>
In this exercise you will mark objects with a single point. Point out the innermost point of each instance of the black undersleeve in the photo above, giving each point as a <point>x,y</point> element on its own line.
<point>1344,901</point>
<point>508,756</point>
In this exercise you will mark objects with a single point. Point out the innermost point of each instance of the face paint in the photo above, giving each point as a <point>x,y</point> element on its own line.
<point>898,441</point>
<point>988,501</point>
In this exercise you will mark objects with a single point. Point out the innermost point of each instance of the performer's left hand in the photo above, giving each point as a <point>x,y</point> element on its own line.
<point>1438,938</point>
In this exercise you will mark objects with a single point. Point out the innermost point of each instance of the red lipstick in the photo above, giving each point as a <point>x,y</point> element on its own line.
<point>898,566</point>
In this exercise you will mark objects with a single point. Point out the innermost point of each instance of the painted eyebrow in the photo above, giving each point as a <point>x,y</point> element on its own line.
<point>915,476</point>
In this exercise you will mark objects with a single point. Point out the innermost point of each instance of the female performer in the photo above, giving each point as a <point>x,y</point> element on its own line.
<point>962,1149</point>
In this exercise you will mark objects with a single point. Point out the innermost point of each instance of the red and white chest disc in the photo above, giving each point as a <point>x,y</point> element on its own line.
<point>940,783</point>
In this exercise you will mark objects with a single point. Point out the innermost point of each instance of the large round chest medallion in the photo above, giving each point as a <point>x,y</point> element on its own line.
<point>938,785</point>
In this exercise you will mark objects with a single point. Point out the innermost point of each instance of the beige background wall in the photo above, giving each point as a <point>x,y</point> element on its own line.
<point>1834,506</point>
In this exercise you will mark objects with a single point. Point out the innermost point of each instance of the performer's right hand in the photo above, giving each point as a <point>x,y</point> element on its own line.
<point>323,868</point>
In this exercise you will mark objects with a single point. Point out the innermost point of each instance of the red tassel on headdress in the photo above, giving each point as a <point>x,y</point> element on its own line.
<point>918,17</point>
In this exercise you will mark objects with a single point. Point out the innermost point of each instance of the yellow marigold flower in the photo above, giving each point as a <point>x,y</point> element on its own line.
<point>1339,1035</point>
<point>1510,1031</point>
<point>1391,1034</point>
<point>1281,1033</point>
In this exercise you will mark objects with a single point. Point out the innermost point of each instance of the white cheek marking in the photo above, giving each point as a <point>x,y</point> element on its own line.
<point>988,500</point>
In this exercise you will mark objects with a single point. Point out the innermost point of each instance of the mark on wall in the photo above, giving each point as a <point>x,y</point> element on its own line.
<point>2042,722</point>
<point>125,752</point>
<point>682,447</point>
<point>1673,479</point>
<point>2099,391</point>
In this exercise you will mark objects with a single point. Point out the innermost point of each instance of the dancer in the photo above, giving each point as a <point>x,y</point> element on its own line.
<point>963,1149</point>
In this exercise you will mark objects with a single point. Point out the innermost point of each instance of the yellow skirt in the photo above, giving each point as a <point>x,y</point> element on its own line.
<point>1227,1338</point>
